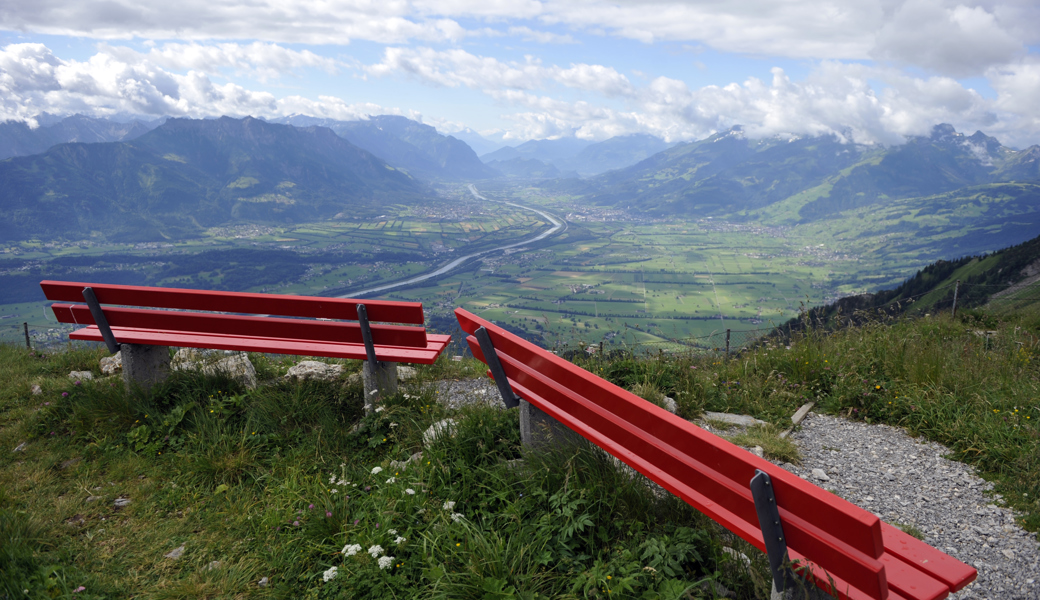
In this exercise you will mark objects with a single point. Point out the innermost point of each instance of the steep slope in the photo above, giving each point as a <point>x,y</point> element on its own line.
<point>406,144</point>
<point>18,139</point>
<point>190,174</point>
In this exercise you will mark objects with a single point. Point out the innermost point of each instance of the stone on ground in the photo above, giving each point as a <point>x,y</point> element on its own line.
<point>435,431</point>
<point>81,375</point>
<point>741,420</point>
<point>404,372</point>
<point>175,553</point>
<point>313,369</point>
<point>112,364</point>
<point>211,362</point>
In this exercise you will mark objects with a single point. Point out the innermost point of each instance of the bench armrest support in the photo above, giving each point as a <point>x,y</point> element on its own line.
<point>495,365</point>
<point>100,320</point>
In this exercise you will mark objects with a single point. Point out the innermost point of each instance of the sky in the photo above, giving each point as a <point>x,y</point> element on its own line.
<point>869,71</point>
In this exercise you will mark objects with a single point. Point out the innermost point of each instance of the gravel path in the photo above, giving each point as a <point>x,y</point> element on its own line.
<point>900,479</point>
<point>908,481</point>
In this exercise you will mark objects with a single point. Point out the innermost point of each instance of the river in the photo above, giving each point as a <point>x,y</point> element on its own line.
<point>559,226</point>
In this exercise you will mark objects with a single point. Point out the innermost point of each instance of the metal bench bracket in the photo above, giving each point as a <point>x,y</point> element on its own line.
<point>497,371</point>
<point>100,320</point>
<point>772,530</point>
<point>366,335</point>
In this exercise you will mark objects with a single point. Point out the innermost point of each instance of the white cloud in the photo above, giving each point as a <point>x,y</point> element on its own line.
<point>33,80</point>
<point>960,41</point>
<point>454,68</point>
<point>543,37</point>
<point>261,61</point>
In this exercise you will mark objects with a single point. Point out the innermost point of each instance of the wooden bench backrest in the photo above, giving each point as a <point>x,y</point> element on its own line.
<point>237,302</point>
<point>709,473</point>
<point>234,324</point>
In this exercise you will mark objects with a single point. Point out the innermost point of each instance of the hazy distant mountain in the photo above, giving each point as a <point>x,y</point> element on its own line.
<point>581,156</point>
<point>406,144</point>
<point>615,153</point>
<point>525,168</point>
<point>18,139</point>
<point>547,151</point>
<point>814,177</point>
<point>480,144</point>
<point>190,174</point>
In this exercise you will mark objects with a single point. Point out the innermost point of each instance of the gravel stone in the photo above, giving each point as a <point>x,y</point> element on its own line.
<point>909,481</point>
<point>456,394</point>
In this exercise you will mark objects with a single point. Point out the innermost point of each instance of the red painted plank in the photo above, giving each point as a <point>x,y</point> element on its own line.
<point>912,582</point>
<point>275,327</point>
<point>681,473</point>
<point>425,356</point>
<point>236,302</point>
<point>954,573</point>
<point>861,528</point>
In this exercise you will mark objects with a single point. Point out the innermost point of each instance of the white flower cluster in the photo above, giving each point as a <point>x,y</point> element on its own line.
<point>410,492</point>
<point>392,480</point>
<point>375,550</point>
<point>400,540</point>
<point>386,561</point>
<point>379,409</point>
<point>330,574</point>
<point>377,470</point>
<point>351,549</point>
<point>456,517</point>
<point>448,504</point>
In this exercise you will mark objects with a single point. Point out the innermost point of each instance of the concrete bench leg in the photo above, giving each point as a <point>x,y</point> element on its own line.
<point>144,366</point>
<point>540,431</point>
<point>379,383</point>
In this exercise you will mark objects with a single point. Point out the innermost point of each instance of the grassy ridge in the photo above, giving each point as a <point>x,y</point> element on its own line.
<point>290,480</point>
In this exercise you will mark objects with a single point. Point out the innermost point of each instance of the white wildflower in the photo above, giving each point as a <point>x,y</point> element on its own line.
<point>386,561</point>
<point>351,549</point>
<point>342,482</point>
<point>391,480</point>
<point>449,504</point>
<point>456,517</point>
<point>400,540</point>
<point>410,492</point>
<point>332,478</point>
<point>334,490</point>
<point>377,470</point>
<point>392,425</point>
<point>330,574</point>
<point>379,409</point>
<point>392,531</point>
<point>375,551</point>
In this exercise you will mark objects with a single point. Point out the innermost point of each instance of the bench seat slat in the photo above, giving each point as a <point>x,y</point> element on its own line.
<point>680,473</point>
<point>923,557</point>
<point>323,331</point>
<point>425,356</point>
<point>383,311</point>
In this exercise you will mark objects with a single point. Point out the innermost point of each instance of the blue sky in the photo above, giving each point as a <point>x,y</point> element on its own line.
<point>871,71</point>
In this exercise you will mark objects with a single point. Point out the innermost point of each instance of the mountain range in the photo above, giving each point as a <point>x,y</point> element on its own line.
<point>406,144</point>
<point>811,177</point>
<point>186,175</point>
<point>18,139</point>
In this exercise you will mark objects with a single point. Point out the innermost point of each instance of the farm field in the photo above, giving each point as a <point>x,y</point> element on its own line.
<point>610,277</point>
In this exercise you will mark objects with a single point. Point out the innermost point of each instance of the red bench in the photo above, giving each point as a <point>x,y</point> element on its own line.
<point>832,539</point>
<point>338,328</point>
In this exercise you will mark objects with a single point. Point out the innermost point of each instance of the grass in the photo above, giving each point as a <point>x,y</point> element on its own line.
<point>293,483</point>
<point>768,438</point>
